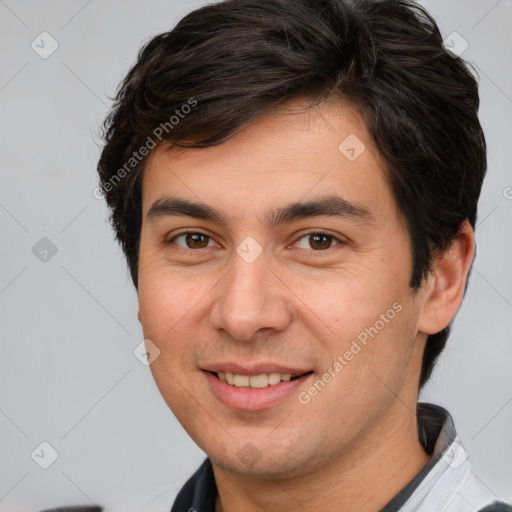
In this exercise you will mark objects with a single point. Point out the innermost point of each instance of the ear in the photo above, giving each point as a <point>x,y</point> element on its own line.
<point>139,316</point>
<point>446,284</point>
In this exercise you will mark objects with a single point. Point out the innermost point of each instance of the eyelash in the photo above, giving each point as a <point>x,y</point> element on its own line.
<point>304,235</point>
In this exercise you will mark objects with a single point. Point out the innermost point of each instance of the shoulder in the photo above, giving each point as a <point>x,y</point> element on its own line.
<point>77,508</point>
<point>474,496</point>
<point>199,492</point>
<point>497,506</point>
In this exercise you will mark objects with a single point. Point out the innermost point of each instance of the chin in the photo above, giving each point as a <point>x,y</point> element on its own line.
<point>276,462</point>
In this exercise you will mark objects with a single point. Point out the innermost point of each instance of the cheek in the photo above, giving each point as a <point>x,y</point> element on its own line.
<point>165,312</point>
<point>160,313</point>
<point>370,324</point>
<point>172,305</point>
<point>346,303</point>
<point>164,296</point>
<point>372,357</point>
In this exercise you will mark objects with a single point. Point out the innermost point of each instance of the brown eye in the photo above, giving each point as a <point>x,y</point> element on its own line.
<point>320,241</point>
<point>196,240</point>
<point>192,240</point>
<point>317,241</point>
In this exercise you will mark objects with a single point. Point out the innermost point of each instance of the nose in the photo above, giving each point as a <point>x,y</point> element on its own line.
<point>251,298</point>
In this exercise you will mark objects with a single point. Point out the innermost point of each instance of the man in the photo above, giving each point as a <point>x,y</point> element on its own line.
<point>294,185</point>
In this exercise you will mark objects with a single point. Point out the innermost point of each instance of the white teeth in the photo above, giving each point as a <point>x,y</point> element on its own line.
<point>241,381</point>
<point>274,378</point>
<point>258,381</point>
<point>254,381</point>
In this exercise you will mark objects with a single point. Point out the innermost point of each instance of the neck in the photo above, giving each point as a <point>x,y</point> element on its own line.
<point>363,479</point>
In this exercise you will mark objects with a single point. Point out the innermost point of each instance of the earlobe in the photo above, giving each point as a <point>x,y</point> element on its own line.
<point>446,285</point>
<point>139,316</point>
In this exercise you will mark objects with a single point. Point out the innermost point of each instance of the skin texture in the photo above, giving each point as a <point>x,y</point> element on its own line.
<point>354,445</point>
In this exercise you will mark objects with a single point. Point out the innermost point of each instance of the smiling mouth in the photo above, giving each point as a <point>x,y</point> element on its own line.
<point>260,381</point>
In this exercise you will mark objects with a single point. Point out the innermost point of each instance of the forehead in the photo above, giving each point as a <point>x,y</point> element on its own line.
<point>291,155</point>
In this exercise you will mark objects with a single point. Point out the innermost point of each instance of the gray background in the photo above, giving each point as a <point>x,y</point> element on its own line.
<point>69,327</point>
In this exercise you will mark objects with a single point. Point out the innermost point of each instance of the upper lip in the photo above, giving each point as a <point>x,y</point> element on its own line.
<point>255,369</point>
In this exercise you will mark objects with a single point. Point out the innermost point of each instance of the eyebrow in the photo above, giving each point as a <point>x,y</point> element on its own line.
<point>332,206</point>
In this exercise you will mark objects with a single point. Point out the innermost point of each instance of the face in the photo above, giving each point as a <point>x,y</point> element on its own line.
<point>279,262</point>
